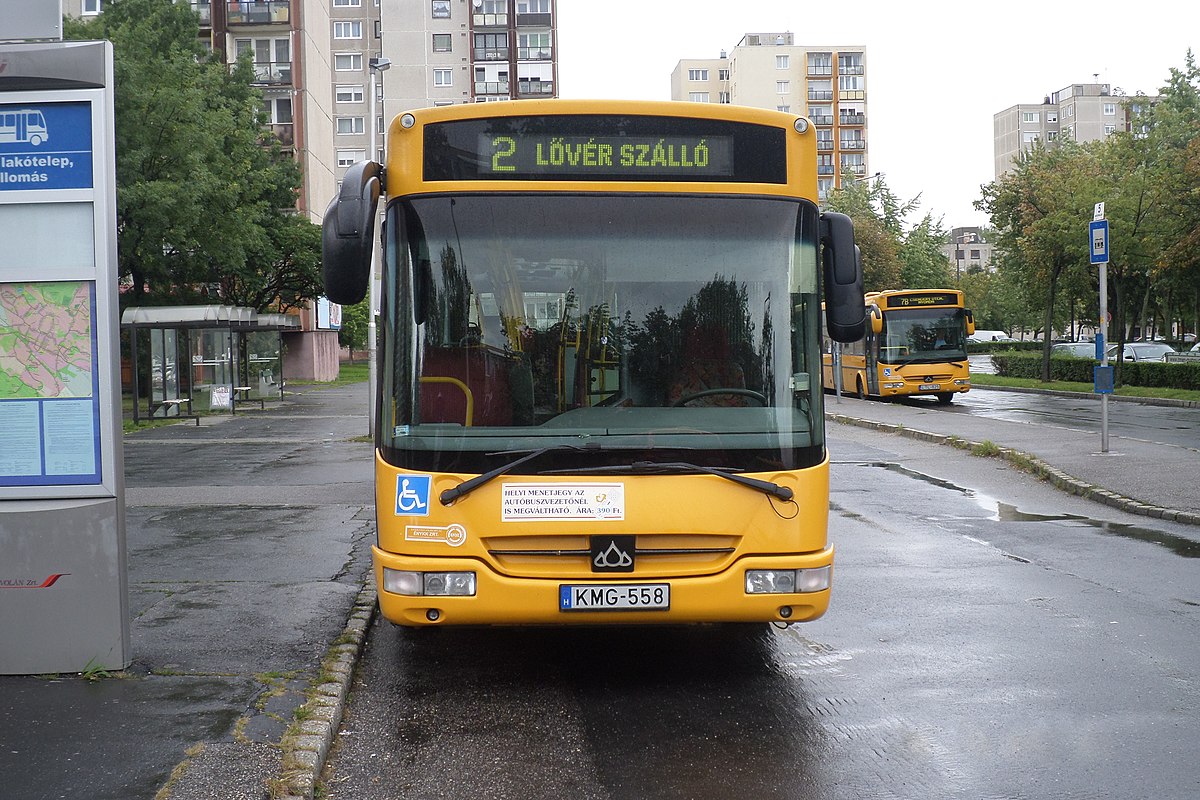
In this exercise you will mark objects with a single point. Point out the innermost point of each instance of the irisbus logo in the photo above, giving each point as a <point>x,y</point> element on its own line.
<point>31,583</point>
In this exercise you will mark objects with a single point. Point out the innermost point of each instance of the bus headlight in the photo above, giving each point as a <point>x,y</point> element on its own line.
<point>429,584</point>
<point>962,381</point>
<point>895,385</point>
<point>787,581</point>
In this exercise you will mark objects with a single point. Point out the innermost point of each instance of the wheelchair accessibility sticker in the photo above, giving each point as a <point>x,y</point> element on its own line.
<point>453,535</point>
<point>412,495</point>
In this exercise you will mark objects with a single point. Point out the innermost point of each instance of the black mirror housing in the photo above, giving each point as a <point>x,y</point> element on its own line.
<point>348,233</point>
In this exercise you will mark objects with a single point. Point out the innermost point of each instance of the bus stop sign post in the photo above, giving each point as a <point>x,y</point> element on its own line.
<point>1103,374</point>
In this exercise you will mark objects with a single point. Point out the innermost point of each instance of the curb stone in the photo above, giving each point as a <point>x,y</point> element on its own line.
<point>1039,468</point>
<point>306,746</point>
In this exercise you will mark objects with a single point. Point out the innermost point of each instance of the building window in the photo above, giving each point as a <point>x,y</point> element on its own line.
<point>346,125</point>
<point>1051,116</point>
<point>441,9</point>
<point>698,97</point>
<point>91,7</point>
<point>443,77</point>
<point>533,46</point>
<point>722,74</point>
<point>347,30</point>
<point>347,62</point>
<point>697,74</point>
<point>442,42</point>
<point>781,62</point>
<point>346,158</point>
<point>1070,111</point>
<point>784,108</point>
<point>533,6</point>
<point>348,94</point>
<point>1031,117</point>
<point>1051,136</point>
<point>975,255</point>
<point>347,3</point>
<point>1109,130</point>
<point>820,63</point>
<point>1110,109</point>
<point>783,87</point>
<point>723,97</point>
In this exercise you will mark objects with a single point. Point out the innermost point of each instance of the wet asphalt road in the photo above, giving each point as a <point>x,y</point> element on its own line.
<point>989,637</point>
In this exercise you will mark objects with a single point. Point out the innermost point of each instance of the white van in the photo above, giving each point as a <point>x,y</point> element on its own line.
<point>987,336</point>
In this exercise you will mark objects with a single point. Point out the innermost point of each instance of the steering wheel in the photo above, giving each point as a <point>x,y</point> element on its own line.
<point>753,395</point>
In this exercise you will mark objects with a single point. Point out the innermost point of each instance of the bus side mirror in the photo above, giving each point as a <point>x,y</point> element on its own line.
<point>970,321</point>
<point>347,234</point>
<point>876,317</point>
<point>841,262</point>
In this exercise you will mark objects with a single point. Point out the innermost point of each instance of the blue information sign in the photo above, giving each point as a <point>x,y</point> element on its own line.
<point>1098,241</point>
<point>45,146</point>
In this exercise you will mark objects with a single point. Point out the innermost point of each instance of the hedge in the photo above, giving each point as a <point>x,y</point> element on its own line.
<point>1132,373</point>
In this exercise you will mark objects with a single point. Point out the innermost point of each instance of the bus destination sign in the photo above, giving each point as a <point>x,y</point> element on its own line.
<point>673,156</point>
<point>921,299</point>
<point>583,147</point>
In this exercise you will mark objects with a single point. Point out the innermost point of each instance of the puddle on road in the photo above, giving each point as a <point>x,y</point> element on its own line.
<point>1004,512</point>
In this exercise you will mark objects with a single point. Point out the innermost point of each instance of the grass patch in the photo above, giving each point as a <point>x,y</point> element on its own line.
<point>981,379</point>
<point>348,372</point>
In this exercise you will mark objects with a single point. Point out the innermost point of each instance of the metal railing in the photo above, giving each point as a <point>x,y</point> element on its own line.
<point>273,72</point>
<point>258,12</point>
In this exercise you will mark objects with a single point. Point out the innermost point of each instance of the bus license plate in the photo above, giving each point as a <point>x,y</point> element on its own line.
<point>930,387</point>
<point>614,597</point>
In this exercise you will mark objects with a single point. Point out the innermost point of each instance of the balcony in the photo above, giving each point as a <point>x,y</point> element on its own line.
<point>491,87</point>
<point>825,169</point>
<point>535,87</point>
<point>820,94</point>
<point>492,54</point>
<point>824,144</point>
<point>272,72</point>
<point>489,20</point>
<point>284,131</point>
<point>852,94</point>
<point>259,12</point>
<point>539,20</point>
<point>854,144</point>
<point>203,8</point>
<point>534,54</point>
<point>852,119</point>
<point>854,169</point>
<point>822,119</point>
<point>851,69</point>
<point>820,70</point>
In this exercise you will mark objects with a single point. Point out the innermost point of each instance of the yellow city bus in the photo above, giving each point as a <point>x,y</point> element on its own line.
<point>598,398</point>
<point>915,343</point>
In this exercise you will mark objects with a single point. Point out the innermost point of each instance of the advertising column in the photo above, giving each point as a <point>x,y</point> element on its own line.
<point>63,585</point>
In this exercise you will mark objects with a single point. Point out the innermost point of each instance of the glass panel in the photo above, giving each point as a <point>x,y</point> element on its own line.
<point>624,323</point>
<point>917,335</point>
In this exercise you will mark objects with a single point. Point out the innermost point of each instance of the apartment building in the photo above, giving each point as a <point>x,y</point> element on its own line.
<point>968,252</point>
<point>1081,112</point>
<point>828,84</point>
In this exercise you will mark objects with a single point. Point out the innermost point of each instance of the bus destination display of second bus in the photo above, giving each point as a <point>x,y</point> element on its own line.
<point>667,156</point>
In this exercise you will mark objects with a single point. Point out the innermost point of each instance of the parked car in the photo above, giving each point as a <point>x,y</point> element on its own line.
<point>1074,349</point>
<point>1142,351</point>
<point>1195,348</point>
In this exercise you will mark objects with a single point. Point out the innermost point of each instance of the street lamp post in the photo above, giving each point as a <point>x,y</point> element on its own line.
<point>375,65</point>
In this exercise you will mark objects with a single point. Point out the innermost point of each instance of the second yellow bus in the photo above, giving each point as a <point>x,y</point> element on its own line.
<point>915,344</point>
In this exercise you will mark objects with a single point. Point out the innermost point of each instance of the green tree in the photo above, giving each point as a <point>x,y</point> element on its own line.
<point>353,333</point>
<point>923,263</point>
<point>205,197</point>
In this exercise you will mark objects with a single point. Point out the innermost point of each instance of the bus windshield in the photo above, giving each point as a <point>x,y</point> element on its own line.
<point>923,335</point>
<point>630,327</point>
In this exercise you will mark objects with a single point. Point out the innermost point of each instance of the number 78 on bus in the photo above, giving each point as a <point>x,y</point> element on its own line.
<point>599,395</point>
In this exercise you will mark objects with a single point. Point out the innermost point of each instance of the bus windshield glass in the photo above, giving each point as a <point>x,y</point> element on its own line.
<point>628,327</point>
<point>923,335</point>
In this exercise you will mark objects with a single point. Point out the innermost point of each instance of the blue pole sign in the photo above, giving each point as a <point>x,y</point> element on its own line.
<point>45,146</point>
<point>1098,241</point>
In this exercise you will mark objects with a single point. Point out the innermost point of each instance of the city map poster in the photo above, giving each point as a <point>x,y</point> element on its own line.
<point>49,392</point>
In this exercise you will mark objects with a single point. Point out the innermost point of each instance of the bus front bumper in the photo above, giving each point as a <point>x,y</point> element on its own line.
<point>503,600</point>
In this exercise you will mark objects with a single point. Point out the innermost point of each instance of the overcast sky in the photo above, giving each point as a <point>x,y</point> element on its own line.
<point>937,71</point>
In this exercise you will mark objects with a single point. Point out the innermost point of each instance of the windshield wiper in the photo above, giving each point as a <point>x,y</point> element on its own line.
<point>450,495</point>
<point>682,467</point>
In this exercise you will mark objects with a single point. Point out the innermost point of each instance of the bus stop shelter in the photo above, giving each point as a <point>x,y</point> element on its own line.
<point>191,358</point>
